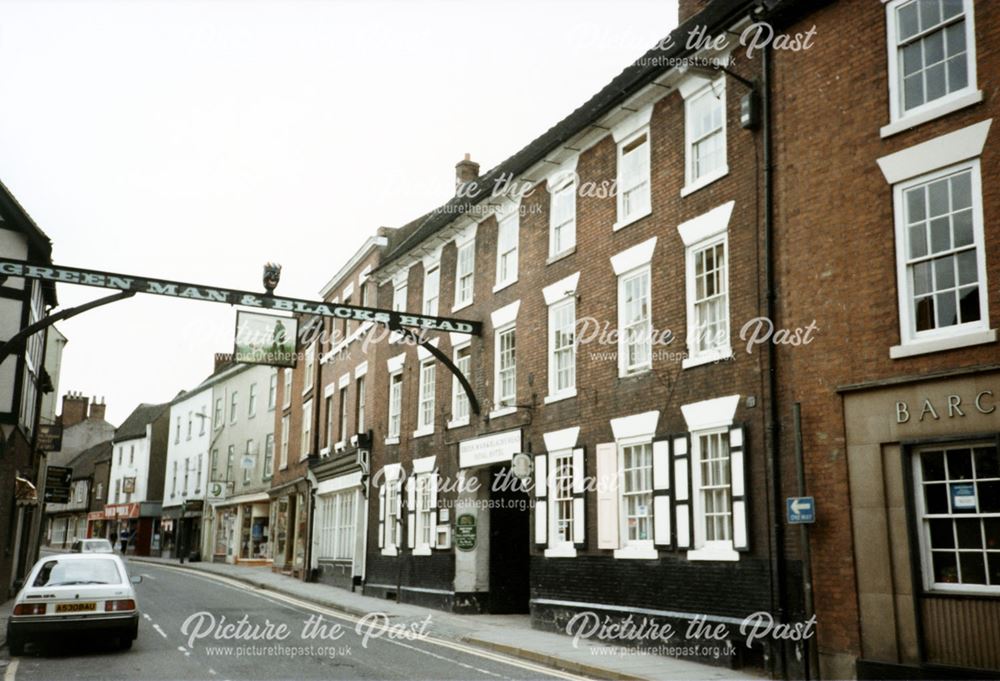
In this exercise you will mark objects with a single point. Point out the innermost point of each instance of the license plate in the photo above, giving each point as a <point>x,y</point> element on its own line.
<point>76,607</point>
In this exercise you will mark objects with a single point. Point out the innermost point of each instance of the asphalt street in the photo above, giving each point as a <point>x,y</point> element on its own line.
<point>198,627</point>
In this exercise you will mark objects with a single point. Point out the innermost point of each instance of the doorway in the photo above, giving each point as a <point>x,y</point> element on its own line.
<point>510,542</point>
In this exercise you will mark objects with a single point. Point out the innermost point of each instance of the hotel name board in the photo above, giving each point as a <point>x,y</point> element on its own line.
<point>175,289</point>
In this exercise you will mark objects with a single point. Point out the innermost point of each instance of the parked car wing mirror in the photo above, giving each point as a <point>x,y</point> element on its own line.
<point>136,579</point>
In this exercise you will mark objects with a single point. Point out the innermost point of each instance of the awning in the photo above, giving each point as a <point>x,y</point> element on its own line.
<point>244,499</point>
<point>24,492</point>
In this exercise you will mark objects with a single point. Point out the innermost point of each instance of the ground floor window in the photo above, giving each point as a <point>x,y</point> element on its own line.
<point>337,514</point>
<point>958,513</point>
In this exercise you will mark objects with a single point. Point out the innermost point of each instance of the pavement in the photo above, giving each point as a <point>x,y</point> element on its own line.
<point>509,635</point>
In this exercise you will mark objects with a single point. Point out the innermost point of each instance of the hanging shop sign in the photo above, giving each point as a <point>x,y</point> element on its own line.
<point>265,339</point>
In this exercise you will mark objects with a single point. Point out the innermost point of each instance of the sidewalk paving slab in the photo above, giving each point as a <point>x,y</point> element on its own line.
<point>510,635</point>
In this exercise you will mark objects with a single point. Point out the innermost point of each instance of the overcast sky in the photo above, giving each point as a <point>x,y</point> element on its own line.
<point>197,140</point>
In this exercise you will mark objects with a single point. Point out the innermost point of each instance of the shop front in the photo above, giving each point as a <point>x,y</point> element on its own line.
<point>134,528</point>
<point>242,530</point>
<point>96,525</point>
<point>924,462</point>
<point>290,520</point>
<point>339,521</point>
<point>181,528</point>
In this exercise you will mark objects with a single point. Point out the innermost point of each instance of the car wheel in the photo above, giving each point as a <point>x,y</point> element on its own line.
<point>15,644</point>
<point>125,641</point>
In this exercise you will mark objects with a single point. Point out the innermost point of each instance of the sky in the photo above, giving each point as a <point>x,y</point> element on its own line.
<point>197,140</point>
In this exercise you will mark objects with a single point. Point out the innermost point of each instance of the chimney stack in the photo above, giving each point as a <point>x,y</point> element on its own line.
<point>74,408</point>
<point>466,170</point>
<point>222,359</point>
<point>97,409</point>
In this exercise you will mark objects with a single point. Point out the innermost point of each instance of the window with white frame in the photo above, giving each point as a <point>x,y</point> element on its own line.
<point>633,177</point>
<point>562,347</point>
<point>459,400</point>
<point>941,259</point>
<point>425,417</point>
<point>233,406</point>
<point>425,512</point>
<point>562,499</point>
<point>392,512</point>
<point>336,525</point>
<point>507,244</point>
<point>343,414</point>
<point>285,425</point>
<point>306,430</point>
<point>708,298</point>
<point>506,367</point>
<point>399,291</point>
<point>218,413</point>
<point>230,457</point>
<point>360,406</point>
<point>637,494</point>
<point>173,482</point>
<point>465,272</point>
<point>705,128</point>
<point>248,469</point>
<point>268,456</point>
<point>931,54</point>
<point>252,401</point>
<point>190,425</point>
<point>213,475</point>
<point>958,516</point>
<point>711,482</point>
<point>287,401</point>
<point>432,289</point>
<point>562,215</point>
<point>635,321</point>
<point>307,379</point>
<point>177,431</point>
<point>272,391</point>
<point>328,402</point>
<point>395,404</point>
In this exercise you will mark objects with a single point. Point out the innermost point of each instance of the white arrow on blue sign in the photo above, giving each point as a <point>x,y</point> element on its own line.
<point>801,510</point>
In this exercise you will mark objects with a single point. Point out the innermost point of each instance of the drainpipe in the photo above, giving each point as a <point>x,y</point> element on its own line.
<point>778,596</point>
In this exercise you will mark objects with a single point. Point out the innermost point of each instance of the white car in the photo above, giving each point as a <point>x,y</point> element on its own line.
<point>75,592</point>
<point>91,546</point>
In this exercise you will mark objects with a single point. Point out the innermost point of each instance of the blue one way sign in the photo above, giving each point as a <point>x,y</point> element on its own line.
<point>801,510</point>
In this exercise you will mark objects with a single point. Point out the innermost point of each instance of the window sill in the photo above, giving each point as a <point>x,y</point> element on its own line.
<point>503,411</point>
<point>422,433</point>
<point>390,551</point>
<point>636,553</point>
<point>621,224</point>
<point>458,423</point>
<point>923,347</point>
<point>392,441</point>
<point>559,397</point>
<point>563,551</point>
<point>943,107</point>
<point>461,306</point>
<point>422,551</point>
<point>325,452</point>
<point>709,357</point>
<point>500,286</point>
<point>561,256</point>
<point>704,181</point>
<point>713,553</point>
<point>641,371</point>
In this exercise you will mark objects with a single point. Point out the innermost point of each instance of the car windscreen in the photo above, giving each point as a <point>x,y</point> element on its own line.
<point>97,546</point>
<point>81,571</point>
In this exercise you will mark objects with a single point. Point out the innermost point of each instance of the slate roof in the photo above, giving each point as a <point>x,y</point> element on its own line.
<point>83,463</point>
<point>135,425</point>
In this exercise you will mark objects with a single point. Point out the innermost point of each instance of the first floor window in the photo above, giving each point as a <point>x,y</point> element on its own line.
<point>329,421</point>
<point>705,119</point>
<point>399,297</point>
<point>268,455</point>
<point>214,474</point>
<point>958,507</point>
<point>562,218</point>
<point>343,414</point>
<point>360,408</point>
<point>306,430</point>
<point>459,400</point>
<point>284,441</point>
<point>635,321</point>
<point>506,367</point>
<point>247,461</point>
<point>426,416</point>
<point>173,483</point>
<point>941,256</point>
<point>562,346</point>
<point>233,406</point>
<point>287,390</point>
<point>395,403</point>
<point>230,455</point>
<point>432,281</point>
<point>637,493</point>
<point>633,177</point>
<point>709,306</point>
<point>218,412</point>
